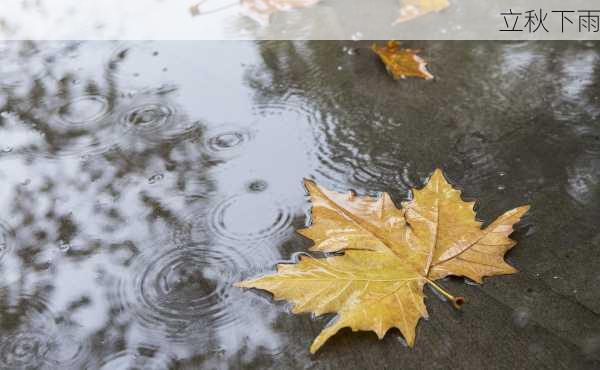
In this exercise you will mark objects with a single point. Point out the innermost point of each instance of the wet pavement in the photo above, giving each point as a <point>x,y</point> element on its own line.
<point>140,180</point>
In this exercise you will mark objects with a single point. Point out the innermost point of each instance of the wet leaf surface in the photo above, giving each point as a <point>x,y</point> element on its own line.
<point>389,254</point>
<point>402,62</point>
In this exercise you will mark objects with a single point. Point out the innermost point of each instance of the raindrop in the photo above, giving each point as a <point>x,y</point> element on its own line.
<point>501,187</point>
<point>249,218</point>
<point>155,120</point>
<point>185,292</point>
<point>148,115</point>
<point>63,246</point>
<point>156,178</point>
<point>257,186</point>
<point>33,339</point>
<point>226,140</point>
<point>349,51</point>
<point>357,36</point>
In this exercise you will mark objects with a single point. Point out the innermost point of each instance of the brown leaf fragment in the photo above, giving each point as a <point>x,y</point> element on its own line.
<point>402,62</point>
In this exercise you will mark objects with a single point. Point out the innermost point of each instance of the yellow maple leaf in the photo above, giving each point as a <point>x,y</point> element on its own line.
<point>389,254</point>
<point>410,9</point>
<point>402,62</point>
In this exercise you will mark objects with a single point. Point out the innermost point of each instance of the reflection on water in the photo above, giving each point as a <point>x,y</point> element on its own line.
<point>185,293</point>
<point>141,180</point>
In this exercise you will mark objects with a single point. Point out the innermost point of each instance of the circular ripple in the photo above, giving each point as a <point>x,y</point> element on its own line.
<point>342,159</point>
<point>155,120</point>
<point>185,292</point>
<point>83,110</point>
<point>257,186</point>
<point>141,358</point>
<point>5,240</point>
<point>226,140</point>
<point>31,338</point>
<point>25,350</point>
<point>83,125</point>
<point>148,116</point>
<point>249,217</point>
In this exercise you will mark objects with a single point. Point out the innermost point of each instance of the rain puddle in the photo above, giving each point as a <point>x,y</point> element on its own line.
<point>140,180</point>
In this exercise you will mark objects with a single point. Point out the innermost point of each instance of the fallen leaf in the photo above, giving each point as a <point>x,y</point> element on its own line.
<point>389,254</point>
<point>402,62</point>
<point>410,9</point>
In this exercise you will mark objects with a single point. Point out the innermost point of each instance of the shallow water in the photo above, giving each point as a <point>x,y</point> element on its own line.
<point>141,180</point>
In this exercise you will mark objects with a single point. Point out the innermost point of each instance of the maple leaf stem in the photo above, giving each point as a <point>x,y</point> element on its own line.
<point>457,302</point>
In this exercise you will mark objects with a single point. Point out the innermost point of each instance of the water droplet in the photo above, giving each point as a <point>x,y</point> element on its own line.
<point>339,68</point>
<point>257,186</point>
<point>357,36</point>
<point>501,173</point>
<point>63,246</point>
<point>226,140</point>
<point>501,187</point>
<point>183,290</point>
<point>156,178</point>
<point>7,149</point>
<point>471,282</point>
<point>349,51</point>
<point>235,218</point>
<point>148,115</point>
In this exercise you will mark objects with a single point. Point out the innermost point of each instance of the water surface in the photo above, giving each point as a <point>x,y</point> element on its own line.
<point>140,180</point>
